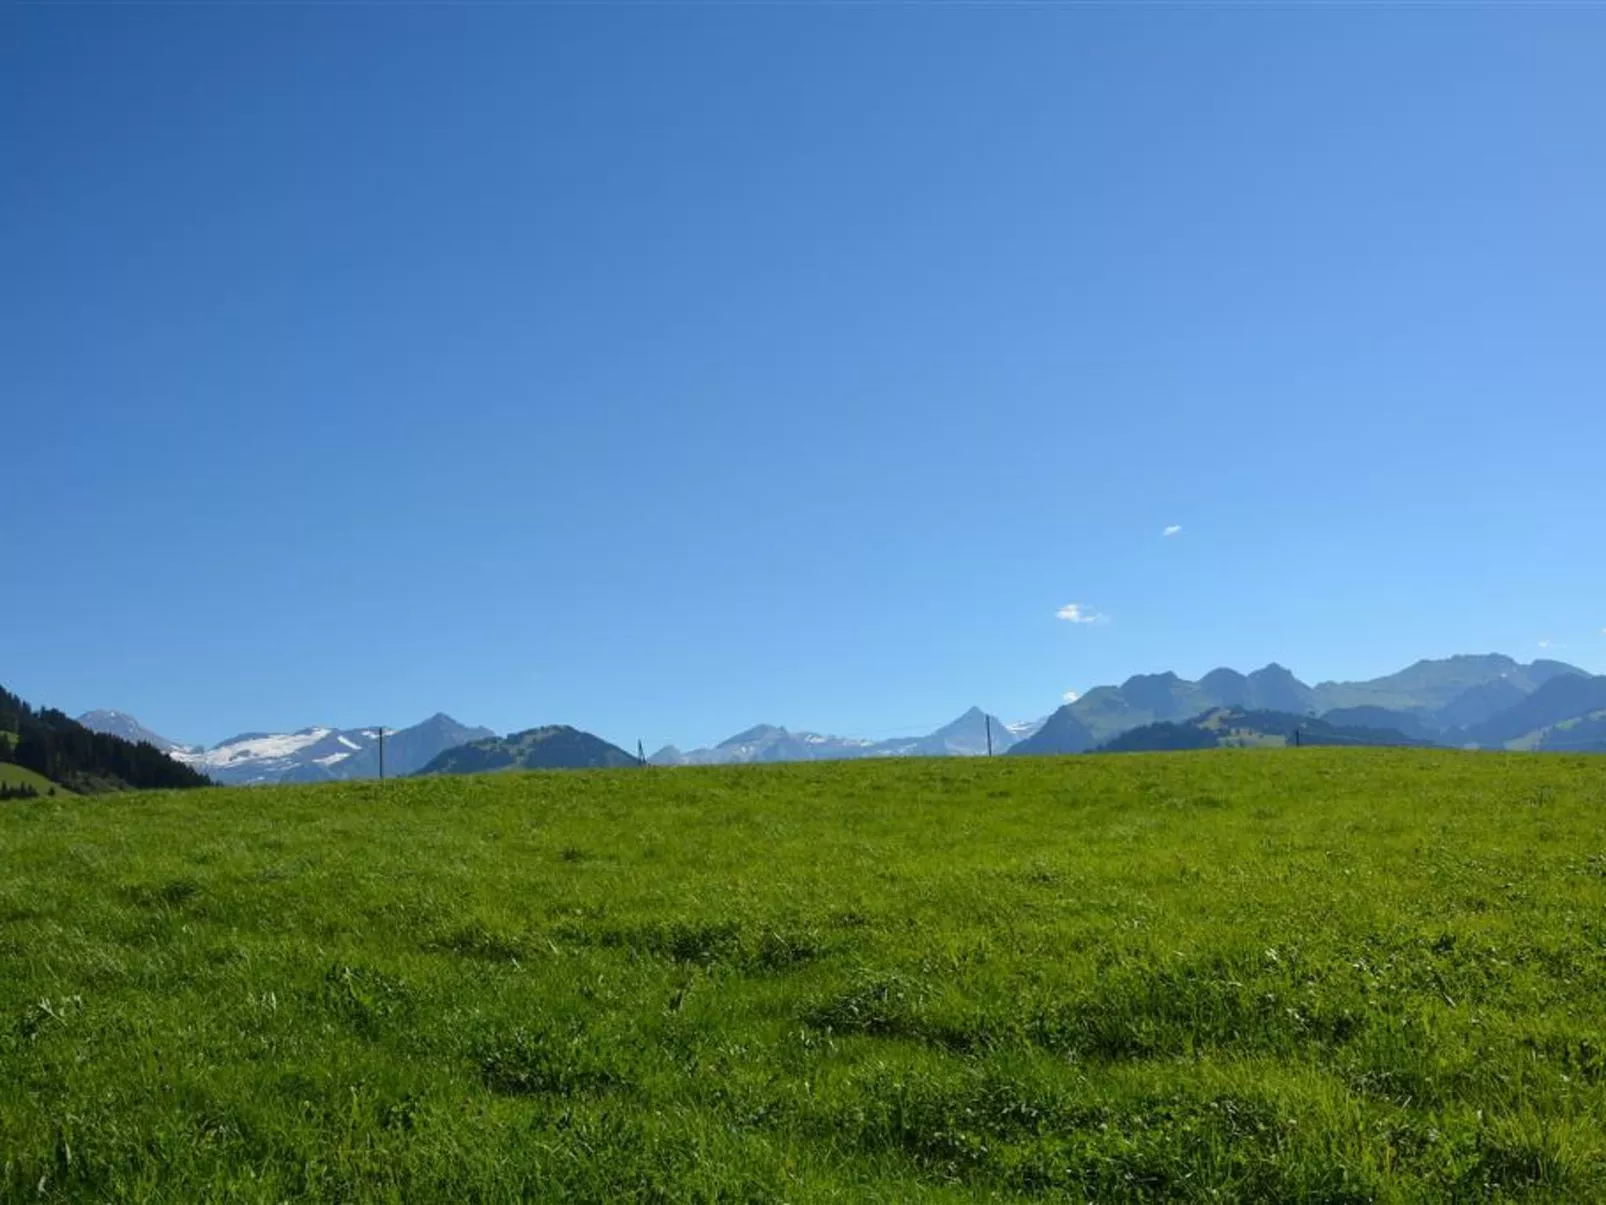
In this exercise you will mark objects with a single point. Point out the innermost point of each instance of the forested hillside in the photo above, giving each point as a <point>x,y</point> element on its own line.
<point>57,747</point>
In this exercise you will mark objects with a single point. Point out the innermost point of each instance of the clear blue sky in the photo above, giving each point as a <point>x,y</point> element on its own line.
<point>667,369</point>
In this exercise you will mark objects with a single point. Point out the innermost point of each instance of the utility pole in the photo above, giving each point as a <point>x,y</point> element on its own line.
<point>381,753</point>
<point>989,736</point>
<point>641,754</point>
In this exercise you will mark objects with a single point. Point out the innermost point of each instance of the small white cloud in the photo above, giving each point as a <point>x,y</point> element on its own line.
<point>1078,613</point>
<point>1551,644</point>
<point>1070,696</point>
<point>1174,530</point>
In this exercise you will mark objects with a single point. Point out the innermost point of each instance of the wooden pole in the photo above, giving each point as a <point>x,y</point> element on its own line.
<point>989,736</point>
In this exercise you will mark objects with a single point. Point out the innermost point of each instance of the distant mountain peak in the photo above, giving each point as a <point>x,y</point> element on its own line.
<point>320,754</point>
<point>667,756</point>
<point>964,736</point>
<point>548,747</point>
<point>1273,670</point>
<point>1141,680</point>
<point>121,724</point>
<point>756,733</point>
<point>542,732</point>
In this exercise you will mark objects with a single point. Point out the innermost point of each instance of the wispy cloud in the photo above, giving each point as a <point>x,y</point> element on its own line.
<point>1551,644</point>
<point>1174,530</point>
<point>1070,696</point>
<point>1079,613</point>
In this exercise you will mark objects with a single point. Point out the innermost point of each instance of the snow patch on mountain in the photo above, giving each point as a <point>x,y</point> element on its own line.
<point>966,736</point>
<point>315,754</point>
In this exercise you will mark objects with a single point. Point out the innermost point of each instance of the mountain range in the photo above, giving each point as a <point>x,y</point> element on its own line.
<point>315,754</point>
<point>965,736</point>
<point>1240,727</point>
<point>1473,701</point>
<point>1482,701</point>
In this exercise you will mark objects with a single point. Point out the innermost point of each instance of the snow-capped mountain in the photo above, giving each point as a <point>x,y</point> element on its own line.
<point>1022,729</point>
<point>964,737</point>
<point>407,751</point>
<point>323,754</point>
<point>766,743</point>
<point>117,723</point>
<point>263,757</point>
<point>310,755</point>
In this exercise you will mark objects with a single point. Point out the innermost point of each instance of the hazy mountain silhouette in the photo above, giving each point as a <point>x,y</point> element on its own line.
<point>1237,726</point>
<point>1429,686</point>
<point>1407,723</point>
<point>965,736</point>
<point>1463,686</point>
<point>1566,697</point>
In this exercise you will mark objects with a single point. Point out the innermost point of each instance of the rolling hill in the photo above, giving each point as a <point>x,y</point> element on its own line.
<point>1580,734</point>
<point>1237,727</point>
<point>1562,698</point>
<point>14,778</point>
<point>554,747</point>
<point>1407,723</point>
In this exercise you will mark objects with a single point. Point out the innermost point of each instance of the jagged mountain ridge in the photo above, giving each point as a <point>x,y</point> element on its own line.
<point>1427,700</point>
<point>965,736</point>
<point>1487,700</point>
<point>1105,712</point>
<point>321,754</point>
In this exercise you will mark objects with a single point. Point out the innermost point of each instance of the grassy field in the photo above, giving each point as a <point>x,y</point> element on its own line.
<point>1269,975</point>
<point>17,776</point>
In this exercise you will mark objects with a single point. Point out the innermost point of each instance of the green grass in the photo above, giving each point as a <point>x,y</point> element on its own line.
<point>1260,975</point>
<point>17,776</point>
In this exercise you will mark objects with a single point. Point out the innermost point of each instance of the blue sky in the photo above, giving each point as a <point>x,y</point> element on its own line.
<point>667,369</point>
